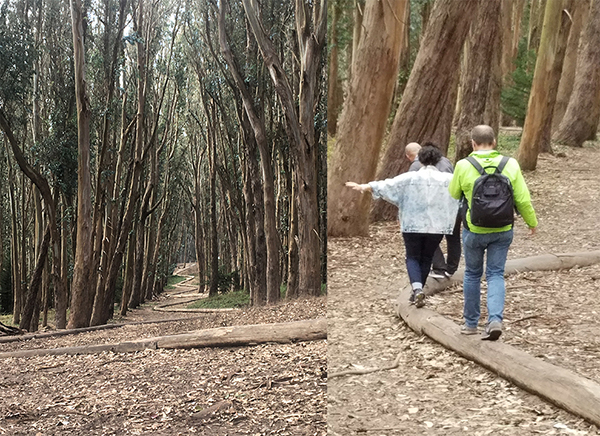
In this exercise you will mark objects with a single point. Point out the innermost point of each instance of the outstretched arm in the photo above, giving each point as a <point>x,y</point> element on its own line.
<point>358,187</point>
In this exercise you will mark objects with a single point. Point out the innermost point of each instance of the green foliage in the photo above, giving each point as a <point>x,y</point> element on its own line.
<point>59,153</point>
<point>508,142</point>
<point>227,280</point>
<point>6,296</point>
<point>514,98</point>
<point>16,58</point>
<point>223,301</point>
<point>173,280</point>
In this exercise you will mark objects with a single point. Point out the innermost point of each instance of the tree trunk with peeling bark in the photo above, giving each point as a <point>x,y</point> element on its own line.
<point>484,42</point>
<point>580,121</point>
<point>567,78</point>
<point>364,117</point>
<point>426,98</point>
<point>548,68</point>
<point>82,296</point>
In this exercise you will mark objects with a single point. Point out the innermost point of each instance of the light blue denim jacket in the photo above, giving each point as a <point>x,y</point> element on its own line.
<point>424,203</point>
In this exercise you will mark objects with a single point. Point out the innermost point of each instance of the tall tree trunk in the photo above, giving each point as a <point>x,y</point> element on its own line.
<point>254,199</point>
<point>491,116</point>
<point>20,297</point>
<point>2,175</point>
<point>128,271</point>
<point>428,91</point>
<point>581,118</point>
<point>507,30</point>
<point>567,78</point>
<point>293,259</point>
<point>536,20</point>
<point>258,128</point>
<point>364,117</point>
<point>27,321</point>
<point>199,245</point>
<point>311,32</point>
<point>359,13</point>
<point>333,92</point>
<point>104,302</point>
<point>82,295</point>
<point>214,239</point>
<point>484,42</point>
<point>516,26</point>
<point>14,252</point>
<point>60,288</point>
<point>140,240</point>
<point>548,68</point>
<point>46,295</point>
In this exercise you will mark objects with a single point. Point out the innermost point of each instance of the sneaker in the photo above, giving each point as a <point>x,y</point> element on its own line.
<point>492,331</point>
<point>419,298</point>
<point>411,299</point>
<point>466,330</point>
<point>437,275</point>
<point>447,274</point>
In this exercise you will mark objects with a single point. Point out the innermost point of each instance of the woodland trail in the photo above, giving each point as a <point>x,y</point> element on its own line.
<point>263,389</point>
<point>434,391</point>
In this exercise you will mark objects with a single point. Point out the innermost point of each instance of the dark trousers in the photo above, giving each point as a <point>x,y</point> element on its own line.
<point>419,254</point>
<point>450,263</point>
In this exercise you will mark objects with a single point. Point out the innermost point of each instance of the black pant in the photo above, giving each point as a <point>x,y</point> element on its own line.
<point>450,265</point>
<point>419,254</point>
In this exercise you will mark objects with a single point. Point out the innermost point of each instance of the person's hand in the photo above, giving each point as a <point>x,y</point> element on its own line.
<point>532,231</point>
<point>358,187</point>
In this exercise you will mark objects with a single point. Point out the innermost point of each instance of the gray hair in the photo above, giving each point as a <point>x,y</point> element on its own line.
<point>483,134</point>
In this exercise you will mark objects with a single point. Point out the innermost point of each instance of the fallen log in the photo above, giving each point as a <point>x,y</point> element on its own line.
<point>56,333</point>
<point>309,330</point>
<point>559,386</point>
<point>543,262</point>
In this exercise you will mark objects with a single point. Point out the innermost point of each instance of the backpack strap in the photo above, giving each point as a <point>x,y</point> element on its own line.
<point>480,169</point>
<point>502,164</point>
<point>476,164</point>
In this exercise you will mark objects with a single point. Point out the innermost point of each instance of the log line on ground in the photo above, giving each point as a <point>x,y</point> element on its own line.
<point>562,387</point>
<point>27,336</point>
<point>307,330</point>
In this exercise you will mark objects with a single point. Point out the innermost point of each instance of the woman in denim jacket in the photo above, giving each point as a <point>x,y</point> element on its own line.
<point>426,212</point>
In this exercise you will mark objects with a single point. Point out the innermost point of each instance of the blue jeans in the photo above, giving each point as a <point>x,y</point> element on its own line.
<point>419,254</point>
<point>474,246</point>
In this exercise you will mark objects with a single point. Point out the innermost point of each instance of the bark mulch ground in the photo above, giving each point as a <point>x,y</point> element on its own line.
<point>271,389</point>
<point>552,315</point>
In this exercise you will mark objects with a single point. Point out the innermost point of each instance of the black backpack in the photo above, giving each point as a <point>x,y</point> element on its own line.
<point>492,203</point>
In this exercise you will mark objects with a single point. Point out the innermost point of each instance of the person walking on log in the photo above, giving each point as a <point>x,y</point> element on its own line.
<point>442,268</point>
<point>426,212</point>
<point>490,187</point>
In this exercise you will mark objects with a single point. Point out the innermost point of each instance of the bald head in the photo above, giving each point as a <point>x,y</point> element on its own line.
<point>411,150</point>
<point>483,135</point>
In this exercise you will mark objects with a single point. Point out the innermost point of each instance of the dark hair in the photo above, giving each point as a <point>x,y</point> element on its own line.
<point>429,154</point>
<point>431,144</point>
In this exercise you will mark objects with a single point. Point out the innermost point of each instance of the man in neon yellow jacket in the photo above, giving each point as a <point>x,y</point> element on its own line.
<point>495,241</point>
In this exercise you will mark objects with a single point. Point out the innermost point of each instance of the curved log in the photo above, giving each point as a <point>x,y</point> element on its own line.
<point>543,262</point>
<point>308,330</point>
<point>559,386</point>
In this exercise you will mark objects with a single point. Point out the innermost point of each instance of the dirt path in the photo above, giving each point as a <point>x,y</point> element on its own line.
<point>434,391</point>
<point>266,389</point>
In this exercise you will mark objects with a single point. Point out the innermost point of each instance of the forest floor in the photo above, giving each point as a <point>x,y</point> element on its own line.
<point>269,389</point>
<point>552,315</point>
